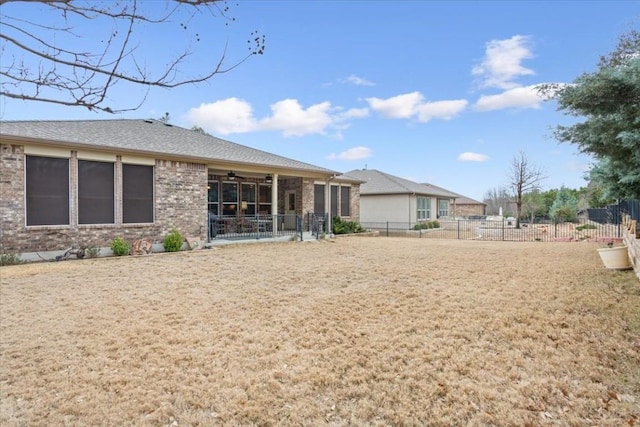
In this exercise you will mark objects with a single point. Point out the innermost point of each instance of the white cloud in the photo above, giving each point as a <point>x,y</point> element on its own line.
<point>397,107</point>
<point>412,104</point>
<point>445,110</point>
<point>502,62</point>
<point>355,153</point>
<point>292,119</point>
<point>472,157</point>
<point>234,115</point>
<point>230,115</point>
<point>358,81</point>
<point>519,97</point>
<point>352,113</point>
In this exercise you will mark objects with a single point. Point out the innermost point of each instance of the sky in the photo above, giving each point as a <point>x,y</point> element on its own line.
<point>442,92</point>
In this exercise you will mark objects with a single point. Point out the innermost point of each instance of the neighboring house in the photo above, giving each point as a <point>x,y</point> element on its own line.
<point>388,198</point>
<point>82,183</point>
<point>463,207</point>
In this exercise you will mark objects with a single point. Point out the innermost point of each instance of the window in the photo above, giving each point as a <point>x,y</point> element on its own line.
<point>264,198</point>
<point>345,201</point>
<point>443,208</point>
<point>47,188</point>
<point>137,194</point>
<point>249,198</point>
<point>213,197</point>
<point>229,198</point>
<point>424,208</point>
<point>318,198</point>
<point>334,200</point>
<point>95,192</point>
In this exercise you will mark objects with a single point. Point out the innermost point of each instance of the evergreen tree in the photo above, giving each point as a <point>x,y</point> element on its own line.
<point>565,207</point>
<point>609,100</point>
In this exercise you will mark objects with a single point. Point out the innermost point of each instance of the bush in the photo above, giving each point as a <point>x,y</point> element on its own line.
<point>92,252</point>
<point>11,259</point>
<point>586,227</point>
<point>341,226</point>
<point>173,241</point>
<point>426,225</point>
<point>120,247</point>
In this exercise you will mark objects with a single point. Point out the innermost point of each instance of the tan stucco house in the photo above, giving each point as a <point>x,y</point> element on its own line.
<point>388,198</point>
<point>83,183</point>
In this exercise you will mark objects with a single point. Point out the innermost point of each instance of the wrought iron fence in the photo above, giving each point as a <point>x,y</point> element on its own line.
<point>505,229</point>
<point>318,224</point>
<point>253,226</point>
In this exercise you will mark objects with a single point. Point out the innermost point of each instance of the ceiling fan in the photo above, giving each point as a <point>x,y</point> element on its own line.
<point>231,176</point>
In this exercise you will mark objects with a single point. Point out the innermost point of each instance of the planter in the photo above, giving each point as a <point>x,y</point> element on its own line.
<point>615,258</point>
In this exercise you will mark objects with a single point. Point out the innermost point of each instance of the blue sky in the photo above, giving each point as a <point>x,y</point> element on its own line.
<point>438,92</point>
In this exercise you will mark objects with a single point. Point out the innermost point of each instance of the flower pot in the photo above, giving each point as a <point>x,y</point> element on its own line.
<point>616,258</point>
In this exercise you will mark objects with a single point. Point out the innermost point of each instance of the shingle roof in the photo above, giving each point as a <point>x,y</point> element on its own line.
<point>376,182</point>
<point>460,199</point>
<point>150,137</point>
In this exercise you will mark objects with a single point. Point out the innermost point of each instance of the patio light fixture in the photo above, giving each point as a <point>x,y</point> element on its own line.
<point>231,176</point>
<point>268,179</point>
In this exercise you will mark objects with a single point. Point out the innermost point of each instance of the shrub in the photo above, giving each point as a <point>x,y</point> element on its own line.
<point>173,241</point>
<point>341,226</point>
<point>11,259</point>
<point>426,225</point>
<point>120,247</point>
<point>92,252</point>
<point>586,227</point>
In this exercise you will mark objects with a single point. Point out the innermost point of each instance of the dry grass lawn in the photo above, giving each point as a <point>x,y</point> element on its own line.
<point>360,331</point>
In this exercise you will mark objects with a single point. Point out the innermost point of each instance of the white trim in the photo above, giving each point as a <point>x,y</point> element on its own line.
<point>137,160</point>
<point>96,156</point>
<point>31,150</point>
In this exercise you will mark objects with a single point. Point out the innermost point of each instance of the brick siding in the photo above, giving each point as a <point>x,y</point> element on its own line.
<point>180,202</point>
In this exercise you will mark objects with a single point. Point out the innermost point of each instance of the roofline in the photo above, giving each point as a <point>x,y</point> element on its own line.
<point>167,156</point>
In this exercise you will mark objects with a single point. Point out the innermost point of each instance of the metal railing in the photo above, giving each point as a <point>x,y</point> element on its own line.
<point>506,230</point>
<point>253,226</point>
<point>318,224</point>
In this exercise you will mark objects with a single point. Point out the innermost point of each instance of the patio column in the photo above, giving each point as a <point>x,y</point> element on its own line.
<point>274,205</point>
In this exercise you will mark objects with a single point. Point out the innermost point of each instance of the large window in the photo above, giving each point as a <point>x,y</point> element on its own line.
<point>318,198</point>
<point>334,200</point>
<point>47,188</point>
<point>424,208</point>
<point>95,192</point>
<point>264,199</point>
<point>229,198</point>
<point>443,208</point>
<point>248,202</point>
<point>345,201</point>
<point>137,194</point>
<point>213,194</point>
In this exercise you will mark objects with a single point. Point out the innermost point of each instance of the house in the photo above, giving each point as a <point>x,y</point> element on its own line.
<point>463,207</point>
<point>388,198</point>
<point>83,183</point>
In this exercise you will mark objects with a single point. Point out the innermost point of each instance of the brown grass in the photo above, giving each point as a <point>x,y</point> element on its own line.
<point>363,331</point>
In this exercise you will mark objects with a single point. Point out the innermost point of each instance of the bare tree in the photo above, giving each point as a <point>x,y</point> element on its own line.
<point>524,177</point>
<point>74,52</point>
<point>497,198</point>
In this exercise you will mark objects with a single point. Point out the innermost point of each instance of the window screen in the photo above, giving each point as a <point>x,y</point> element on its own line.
<point>137,194</point>
<point>334,201</point>
<point>95,192</point>
<point>47,188</point>
<point>318,198</point>
<point>345,201</point>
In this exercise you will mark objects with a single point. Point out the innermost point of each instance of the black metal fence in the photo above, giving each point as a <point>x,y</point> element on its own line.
<point>505,229</point>
<point>232,227</point>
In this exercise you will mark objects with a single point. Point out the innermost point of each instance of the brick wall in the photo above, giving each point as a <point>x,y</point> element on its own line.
<point>469,209</point>
<point>180,201</point>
